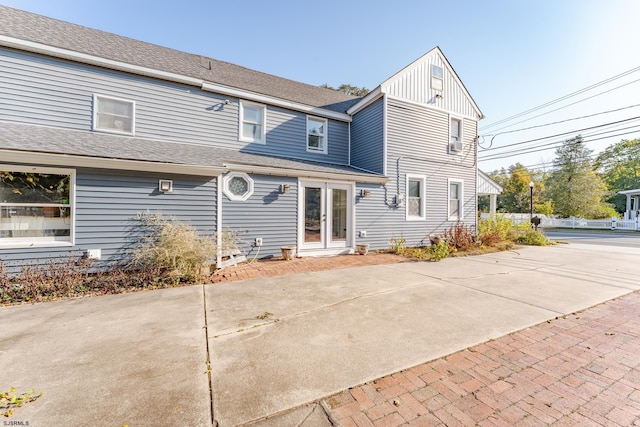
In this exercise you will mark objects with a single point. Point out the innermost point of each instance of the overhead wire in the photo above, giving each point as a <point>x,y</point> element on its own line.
<point>557,144</point>
<point>575,131</point>
<point>563,121</point>
<point>562,98</point>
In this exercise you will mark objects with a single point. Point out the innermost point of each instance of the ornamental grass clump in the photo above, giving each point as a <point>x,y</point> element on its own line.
<point>172,246</point>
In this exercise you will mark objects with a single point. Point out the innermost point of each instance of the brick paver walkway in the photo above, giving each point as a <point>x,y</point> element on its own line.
<point>579,370</point>
<point>280,267</point>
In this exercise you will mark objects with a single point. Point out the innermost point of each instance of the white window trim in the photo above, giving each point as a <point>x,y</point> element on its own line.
<point>461,120</point>
<point>325,144</point>
<point>460,200</point>
<point>423,204</point>
<point>36,242</point>
<point>263,136</point>
<point>95,127</point>
<point>235,197</point>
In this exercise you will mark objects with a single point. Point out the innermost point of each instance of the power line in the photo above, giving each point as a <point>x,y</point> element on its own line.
<point>562,121</point>
<point>560,134</point>
<point>555,101</point>
<point>557,144</point>
<point>525,150</point>
<point>568,105</point>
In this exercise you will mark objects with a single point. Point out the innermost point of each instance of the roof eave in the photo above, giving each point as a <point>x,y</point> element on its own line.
<point>31,157</point>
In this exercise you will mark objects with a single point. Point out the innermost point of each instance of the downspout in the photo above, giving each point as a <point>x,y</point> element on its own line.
<point>349,153</point>
<point>219,220</point>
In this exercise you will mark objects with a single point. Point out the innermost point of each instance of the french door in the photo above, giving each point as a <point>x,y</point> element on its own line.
<point>326,216</point>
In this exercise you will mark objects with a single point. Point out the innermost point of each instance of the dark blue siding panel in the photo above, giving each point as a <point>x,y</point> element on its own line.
<point>367,138</point>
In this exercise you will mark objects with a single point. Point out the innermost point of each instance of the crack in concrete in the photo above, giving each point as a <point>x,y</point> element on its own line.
<point>208,361</point>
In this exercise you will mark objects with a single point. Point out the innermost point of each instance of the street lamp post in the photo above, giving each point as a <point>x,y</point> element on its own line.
<point>531,202</point>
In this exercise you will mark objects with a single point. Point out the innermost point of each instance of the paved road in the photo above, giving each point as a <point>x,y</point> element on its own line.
<point>602,238</point>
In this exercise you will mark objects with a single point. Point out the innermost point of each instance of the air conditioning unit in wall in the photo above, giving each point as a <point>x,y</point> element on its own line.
<point>456,146</point>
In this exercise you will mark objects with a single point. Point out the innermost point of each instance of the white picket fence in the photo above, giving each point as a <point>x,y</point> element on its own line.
<point>549,222</point>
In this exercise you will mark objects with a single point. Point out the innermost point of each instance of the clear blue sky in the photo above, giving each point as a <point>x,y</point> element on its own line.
<point>511,55</point>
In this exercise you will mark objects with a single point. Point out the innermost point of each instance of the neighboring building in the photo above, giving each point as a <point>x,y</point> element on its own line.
<point>109,127</point>
<point>488,187</point>
<point>633,203</point>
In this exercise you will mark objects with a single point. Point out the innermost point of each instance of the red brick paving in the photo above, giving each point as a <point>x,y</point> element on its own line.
<point>578,370</point>
<point>279,267</point>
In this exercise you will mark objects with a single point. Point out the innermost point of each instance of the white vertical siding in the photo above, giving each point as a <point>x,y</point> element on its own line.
<point>414,84</point>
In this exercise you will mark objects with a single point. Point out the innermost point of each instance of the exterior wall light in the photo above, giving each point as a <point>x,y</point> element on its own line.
<point>165,185</point>
<point>285,188</point>
<point>365,193</point>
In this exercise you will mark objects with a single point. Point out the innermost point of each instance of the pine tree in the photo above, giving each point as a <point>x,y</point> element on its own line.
<point>573,186</point>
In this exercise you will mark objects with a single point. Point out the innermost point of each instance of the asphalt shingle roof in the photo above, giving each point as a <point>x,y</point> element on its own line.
<point>41,139</point>
<point>52,32</point>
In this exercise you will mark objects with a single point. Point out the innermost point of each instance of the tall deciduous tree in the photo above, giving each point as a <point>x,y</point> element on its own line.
<point>516,194</point>
<point>619,165</point>
<point>573,186</point>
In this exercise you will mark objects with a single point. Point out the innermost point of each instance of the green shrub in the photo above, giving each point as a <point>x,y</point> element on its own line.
<point>439,251</point>
<point>460,237</point>
<point>533,238</point>
<point>497,229</point>
<point>172,246</point>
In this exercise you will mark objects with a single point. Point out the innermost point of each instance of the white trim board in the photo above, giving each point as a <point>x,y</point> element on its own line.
<point>300,173</point>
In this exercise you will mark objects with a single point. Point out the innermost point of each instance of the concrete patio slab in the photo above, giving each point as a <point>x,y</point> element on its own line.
<point>333,330</point>
<point>136,359</point>
<point>278,345</point>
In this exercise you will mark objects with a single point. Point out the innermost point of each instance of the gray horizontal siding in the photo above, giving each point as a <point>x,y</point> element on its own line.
<point>286,136</point>
<point>52,92</point>
<point>107,203</point>
<point>417,144</point>
<point>266,214</point>
<point>367,138</point>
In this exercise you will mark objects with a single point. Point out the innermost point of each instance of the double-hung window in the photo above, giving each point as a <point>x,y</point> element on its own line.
<point>36,206</point>
<point>317,134</point>
<point>415,197</point>
<point>252,122</point>
<point>455,199</point>
<point>113,115</point>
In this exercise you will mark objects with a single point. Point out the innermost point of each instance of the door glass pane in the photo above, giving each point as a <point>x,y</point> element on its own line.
<point>312,214</point>
<point>339,215</point>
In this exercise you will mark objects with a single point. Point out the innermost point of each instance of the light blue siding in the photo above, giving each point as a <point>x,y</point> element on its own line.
<point>287,137</point>
<point>52,92</point>
<point>266,214</point>
<point>107,203</point>
<point>417,144</point>
<point>367,138</point>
